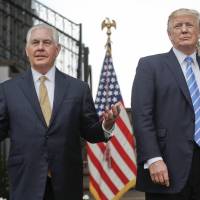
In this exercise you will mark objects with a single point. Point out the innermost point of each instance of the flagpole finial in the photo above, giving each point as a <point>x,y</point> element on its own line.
<point>108,24</point>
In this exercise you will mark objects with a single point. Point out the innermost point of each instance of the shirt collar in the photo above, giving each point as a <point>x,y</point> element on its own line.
<point>181,56</point>
<point>50,74</point>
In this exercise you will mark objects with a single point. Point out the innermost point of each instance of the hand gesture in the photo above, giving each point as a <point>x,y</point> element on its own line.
<point>109,116</point>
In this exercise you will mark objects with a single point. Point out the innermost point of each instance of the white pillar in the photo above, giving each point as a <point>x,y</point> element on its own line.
<point>4,74</point>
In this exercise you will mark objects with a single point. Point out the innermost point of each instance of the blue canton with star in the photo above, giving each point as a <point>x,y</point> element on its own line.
<point>108,91</point>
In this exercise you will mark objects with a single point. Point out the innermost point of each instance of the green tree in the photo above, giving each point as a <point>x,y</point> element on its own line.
<point>4,191</point>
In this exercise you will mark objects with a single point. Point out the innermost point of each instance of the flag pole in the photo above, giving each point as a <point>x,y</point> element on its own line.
<point>107,23</point>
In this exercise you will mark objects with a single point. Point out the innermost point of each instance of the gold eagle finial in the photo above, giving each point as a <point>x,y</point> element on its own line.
<point>108,24</point>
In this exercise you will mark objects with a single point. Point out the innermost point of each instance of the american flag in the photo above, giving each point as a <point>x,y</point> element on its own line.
<point>112,165</point>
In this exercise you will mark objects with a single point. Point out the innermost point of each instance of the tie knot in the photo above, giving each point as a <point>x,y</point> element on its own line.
<point>188,60</point>
<point>42,79</point>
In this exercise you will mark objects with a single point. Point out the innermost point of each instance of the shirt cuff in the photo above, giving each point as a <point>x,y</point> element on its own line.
<point>151,161</point>
<point>108,133</point>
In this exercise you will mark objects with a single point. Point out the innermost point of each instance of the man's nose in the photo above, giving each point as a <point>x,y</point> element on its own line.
<point>41,45</point>
<point>184,28</point>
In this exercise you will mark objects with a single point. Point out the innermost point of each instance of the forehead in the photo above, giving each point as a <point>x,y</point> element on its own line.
<point>41,34</point>
<point>184,18</point>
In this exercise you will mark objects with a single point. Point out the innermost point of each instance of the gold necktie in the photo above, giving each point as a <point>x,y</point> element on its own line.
<point>44,100</point>
<point>45,104</point>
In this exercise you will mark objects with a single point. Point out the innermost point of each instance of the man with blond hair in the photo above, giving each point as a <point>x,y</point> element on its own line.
<point>166,114</point>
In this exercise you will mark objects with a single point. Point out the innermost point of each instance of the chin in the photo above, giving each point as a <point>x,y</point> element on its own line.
<point>41,64</point>
<point>186,44</point>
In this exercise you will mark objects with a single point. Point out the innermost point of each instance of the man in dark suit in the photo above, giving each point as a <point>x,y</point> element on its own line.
<point>45,112</point>
<point>166,114</point>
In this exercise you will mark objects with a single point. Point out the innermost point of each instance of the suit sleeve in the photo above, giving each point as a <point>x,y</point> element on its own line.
<point>143,102</point>
<point>3,115</point>
<point>91,127</point>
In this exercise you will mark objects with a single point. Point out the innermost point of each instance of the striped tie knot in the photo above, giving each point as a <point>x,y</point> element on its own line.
<point>189,60</point>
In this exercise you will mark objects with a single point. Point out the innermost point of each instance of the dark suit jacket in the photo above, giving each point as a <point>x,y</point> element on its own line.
<point>36,147</point>
<point>163,120</point>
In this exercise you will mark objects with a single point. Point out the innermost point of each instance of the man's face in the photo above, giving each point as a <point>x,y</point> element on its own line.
<point>184,33</point>
<point>41,49</point>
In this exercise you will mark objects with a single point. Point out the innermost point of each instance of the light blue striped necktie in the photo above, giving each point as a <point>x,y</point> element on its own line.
<point>195,96</point>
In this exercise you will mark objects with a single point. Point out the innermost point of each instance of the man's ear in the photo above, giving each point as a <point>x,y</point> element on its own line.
<point>58,49</point>
<point>26,51</point>
<point>169,34</point>
<point>170,37</point>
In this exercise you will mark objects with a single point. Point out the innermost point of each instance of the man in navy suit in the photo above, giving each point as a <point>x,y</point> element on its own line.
<point>164,116</point>
<point>45,158</point>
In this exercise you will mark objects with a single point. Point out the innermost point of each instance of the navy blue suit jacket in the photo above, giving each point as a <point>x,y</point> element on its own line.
<point>36,147</point>
<point>163,120</point>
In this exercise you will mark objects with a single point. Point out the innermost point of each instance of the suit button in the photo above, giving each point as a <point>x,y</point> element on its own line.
<point>46,136</point>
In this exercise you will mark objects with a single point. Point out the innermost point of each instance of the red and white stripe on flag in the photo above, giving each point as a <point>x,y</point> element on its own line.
<point>113,175</point>
<point>112,165</point>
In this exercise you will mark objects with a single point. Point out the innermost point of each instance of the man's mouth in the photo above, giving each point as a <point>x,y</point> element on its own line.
<point>186,38</point>
<point>40,56</point>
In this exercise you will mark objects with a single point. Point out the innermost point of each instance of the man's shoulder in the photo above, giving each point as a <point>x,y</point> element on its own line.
<point>156,60</point>
<point>74,81</point>
<point>13,80</point>
<point>155,56</point>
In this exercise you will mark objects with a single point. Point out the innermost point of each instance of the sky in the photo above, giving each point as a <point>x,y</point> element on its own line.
<point>141,31</point>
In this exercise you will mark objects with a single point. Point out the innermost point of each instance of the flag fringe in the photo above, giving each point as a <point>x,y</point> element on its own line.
<point>129,185</point>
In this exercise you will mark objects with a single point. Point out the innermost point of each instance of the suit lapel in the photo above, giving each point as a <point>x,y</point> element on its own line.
<point>61,85</point>
<point>28,88</point>
<point>176,70</point>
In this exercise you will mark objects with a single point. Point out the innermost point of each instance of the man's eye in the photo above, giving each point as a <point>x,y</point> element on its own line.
<point>47,42</point>
<point>189,25</point>
<point>35,42</point>
<point>177,25</point>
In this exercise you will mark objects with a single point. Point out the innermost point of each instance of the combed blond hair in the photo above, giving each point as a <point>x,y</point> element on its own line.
<point>183,11</point>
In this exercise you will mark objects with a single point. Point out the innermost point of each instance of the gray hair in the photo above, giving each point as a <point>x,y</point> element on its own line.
<point>182,11</point>
<point>43,26</point>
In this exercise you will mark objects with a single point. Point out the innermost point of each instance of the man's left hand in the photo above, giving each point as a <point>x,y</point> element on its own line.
<point>110,116</point>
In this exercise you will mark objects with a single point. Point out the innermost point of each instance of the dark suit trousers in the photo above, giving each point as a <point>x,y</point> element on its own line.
<point>191,191</point>
<point>49,195</point>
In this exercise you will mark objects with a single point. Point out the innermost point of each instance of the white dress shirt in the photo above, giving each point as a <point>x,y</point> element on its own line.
<point>195,67</point>
<point>50,83</point>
